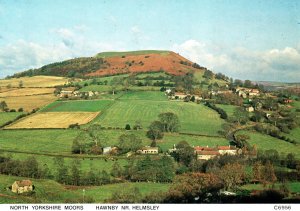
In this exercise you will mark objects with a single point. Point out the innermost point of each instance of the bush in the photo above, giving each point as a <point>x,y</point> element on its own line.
<point>73,126</point>
<point>20,110</point>
<point>127,127</point>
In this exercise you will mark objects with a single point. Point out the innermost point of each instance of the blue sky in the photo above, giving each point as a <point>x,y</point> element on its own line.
<point>257,40</point>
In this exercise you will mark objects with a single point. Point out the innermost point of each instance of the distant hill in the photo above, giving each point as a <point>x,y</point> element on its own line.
<point>112,63</point>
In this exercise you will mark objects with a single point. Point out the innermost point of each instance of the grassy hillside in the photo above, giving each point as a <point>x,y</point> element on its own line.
<point>126,53</point>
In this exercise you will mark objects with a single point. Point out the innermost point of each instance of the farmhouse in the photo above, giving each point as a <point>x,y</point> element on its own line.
<point>148,150</point>
<point>106,150</point>
<point>206,153</point>
<point>250,109</point>
<point>67,92</point>
<point>22,186</point>
<point>180,95</point>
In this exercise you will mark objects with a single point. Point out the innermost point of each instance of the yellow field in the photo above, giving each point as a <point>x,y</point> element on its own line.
<point>35,81</point>
<point>53,120</point>
<point>28,102</point>
<point>26,92</point>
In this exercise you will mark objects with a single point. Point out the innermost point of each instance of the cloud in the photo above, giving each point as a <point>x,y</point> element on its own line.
<point>138,36</point>
<point>22,55</point>
<point>273,64</point>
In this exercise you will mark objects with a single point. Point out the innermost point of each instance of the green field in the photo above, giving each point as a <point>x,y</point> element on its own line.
<point>194,118</point>
<point>146,95</point>
<point>266,142</point>
<point>229,109</point>
<point>78,105</point>
<point>8,116</point>
<point>44,141</point>
<point>108,88</point>
<point>292,186</point>
<point>49,191</point>
<point>113,54</point>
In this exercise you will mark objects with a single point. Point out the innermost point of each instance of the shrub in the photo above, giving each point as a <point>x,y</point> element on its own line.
<point>127,127</point>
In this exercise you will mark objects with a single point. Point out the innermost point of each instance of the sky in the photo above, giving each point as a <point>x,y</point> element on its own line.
<point>256,40</point>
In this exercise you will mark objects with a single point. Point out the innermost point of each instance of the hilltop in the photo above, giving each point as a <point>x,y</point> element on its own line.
<point>113,63</point>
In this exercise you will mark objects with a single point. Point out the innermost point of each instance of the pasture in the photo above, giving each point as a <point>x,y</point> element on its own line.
<point>266,142</point>
<point>194,118</point>
<point>229,109</point>
<point>78,105</point>
<point>53,120</point>
<point>49,191</point>
<point>8,116</point>
<point>146,95</point>
<point>108,88</point>
<point>28,103</point>
<point>35,81</point>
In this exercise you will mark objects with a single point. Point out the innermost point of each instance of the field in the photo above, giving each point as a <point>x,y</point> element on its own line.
<point>35,81</point>
<point>194,118</point>
<point>8,116</point>
<point>146,95</point>
<point>108,88</point>
<point>79,105</point>
<point>48,191</point>
<point>229,109</point>
<point>28,102</point>
<point>292,186</point>
<point>53,120</point>
<point>26,92</point>
<point>265,142</point>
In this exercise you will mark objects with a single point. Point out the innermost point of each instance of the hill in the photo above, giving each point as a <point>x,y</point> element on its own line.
<point>112,63</point>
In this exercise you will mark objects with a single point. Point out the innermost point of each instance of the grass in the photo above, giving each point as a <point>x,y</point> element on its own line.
<point>108,88</point>
<point>35,81</point>
<point>194,118</point>
<point>8,116</point>
<point>27,92</point>
<point>42,140</point>
<point>294,135</point>
<point>266,142</point>
<point>28,102</point>
<point>49,191</point>
<point>53,120</point>
<point>292,186</point>
<point>229,109</point>
<point>125,53</point>
<point>97,164</point>
<point>78,105</point>
<point>146,95</point>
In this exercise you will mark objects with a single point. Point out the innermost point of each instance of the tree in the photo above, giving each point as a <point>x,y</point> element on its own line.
<point>248,84</point>
<point>257,172</point>
<point>129,142</point>
<point>184,153</point>
<point>208,74</point>
<point>75,172</point>
<point>240,115</point>
<point>116,170</point>
<point>232,175</point>
<point>21,84</point>
<point>155,131</point>
<point>127,127</point>
<point>3,106</point>
<point>62,175</point>
<point>125,195</point>
<point>170,122</point>
<point>104,178</point>
<point>192,187</point>
<point>268,174</point>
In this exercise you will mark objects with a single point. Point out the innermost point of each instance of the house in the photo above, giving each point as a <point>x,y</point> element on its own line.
<point>206,155</point>
<point>168,91</point>
<point>22,186</point>
<point>287,101</point>
<point>148,150</point>
<point>67,92</point>
<point>250,109</point>
<point>253,92</point>
<point>106,150</point>
<point>228,150</point>
<point>180,95</point>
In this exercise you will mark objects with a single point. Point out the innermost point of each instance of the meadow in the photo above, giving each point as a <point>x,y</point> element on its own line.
<point>53,120</point>
<point>49,191</point>
<point>78,105</point>
<point>229,109</point>
<point>35,81</point>
<point>146,95</point>
<point>194,118</point>
<point>266,142</point>
<point>8,116</point>
<point>108,88</point>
